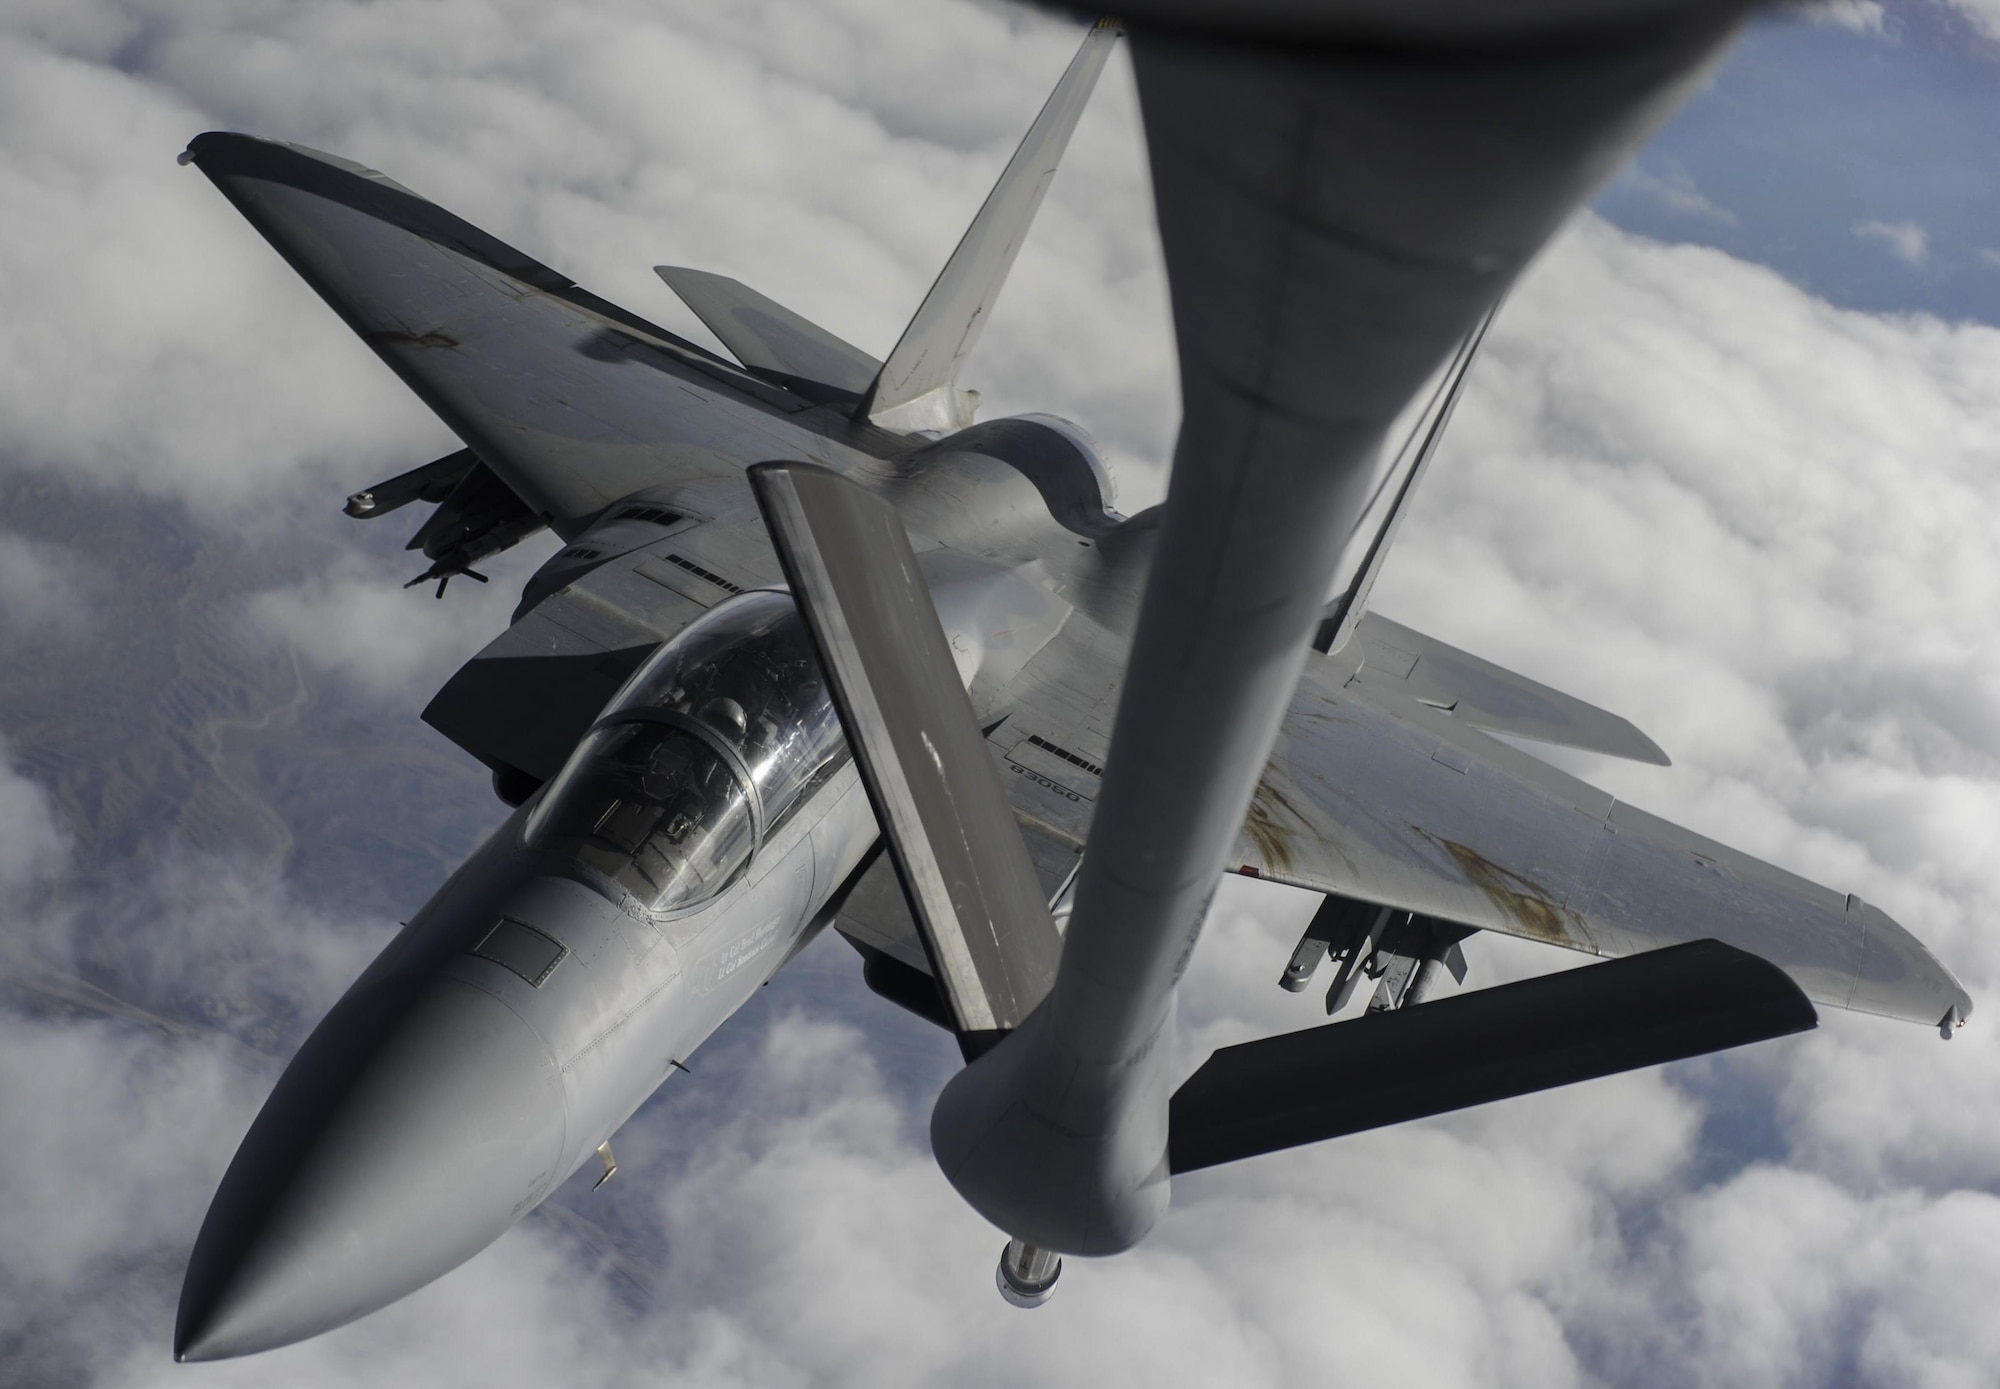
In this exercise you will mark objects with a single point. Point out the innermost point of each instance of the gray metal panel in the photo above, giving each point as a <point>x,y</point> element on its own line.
<point>918,385</point>
<point>768,337</point>
<point>1416,667</point>
<point>971,885</point>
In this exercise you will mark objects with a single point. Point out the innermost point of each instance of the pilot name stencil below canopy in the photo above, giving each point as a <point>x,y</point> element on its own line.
<point>823,648</point>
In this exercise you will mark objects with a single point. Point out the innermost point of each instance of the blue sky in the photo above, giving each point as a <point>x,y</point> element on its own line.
<point>1812,129</point>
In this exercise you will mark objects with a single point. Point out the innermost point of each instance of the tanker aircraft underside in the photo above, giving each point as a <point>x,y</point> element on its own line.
<point>809,608</point>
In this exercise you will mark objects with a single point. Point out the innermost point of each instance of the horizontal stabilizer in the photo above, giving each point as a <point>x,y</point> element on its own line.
<point>1490,1044</point>
<point>978,905</point>
<point>769,338</point>
<point>1401,663</point>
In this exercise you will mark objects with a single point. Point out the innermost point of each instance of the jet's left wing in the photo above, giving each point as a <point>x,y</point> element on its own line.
<point>570,400</point>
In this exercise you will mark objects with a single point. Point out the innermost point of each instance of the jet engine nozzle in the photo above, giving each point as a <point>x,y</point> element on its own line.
<point>418,1122</point>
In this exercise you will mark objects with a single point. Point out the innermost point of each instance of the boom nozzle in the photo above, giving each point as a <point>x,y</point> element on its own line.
<point>1027,1274</point>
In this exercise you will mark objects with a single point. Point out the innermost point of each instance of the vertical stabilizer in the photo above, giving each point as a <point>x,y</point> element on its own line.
<point>1340,617</point>
<point>918,386</point>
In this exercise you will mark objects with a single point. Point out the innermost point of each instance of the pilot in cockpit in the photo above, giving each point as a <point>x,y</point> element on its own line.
<point>705,750</point>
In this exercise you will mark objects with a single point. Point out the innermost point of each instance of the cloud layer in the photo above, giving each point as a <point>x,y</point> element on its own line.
<point>1680,486</point>
<point>1907,241</point>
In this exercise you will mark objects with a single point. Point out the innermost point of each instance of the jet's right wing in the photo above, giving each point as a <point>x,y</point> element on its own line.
<point>1377,793</point>
<point>1398,803</point>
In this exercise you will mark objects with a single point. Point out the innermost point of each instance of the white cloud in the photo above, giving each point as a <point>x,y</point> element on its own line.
<point>1674,189</point>
<point>42,586</point>
<point>357,621</point>
<point>1861,16</point>
<point>167,1105</point>
<point>33,840</point>
<point>151,340</point>
<point>1983,15</point>
<point>146,1015</point>
<point>1908,242</point>
<point>1679,486</point>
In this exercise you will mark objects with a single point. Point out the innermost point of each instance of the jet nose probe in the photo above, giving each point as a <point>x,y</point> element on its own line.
<point>418,1122</point>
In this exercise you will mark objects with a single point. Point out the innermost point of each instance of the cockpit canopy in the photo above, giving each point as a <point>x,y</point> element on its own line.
<point>707,749</point>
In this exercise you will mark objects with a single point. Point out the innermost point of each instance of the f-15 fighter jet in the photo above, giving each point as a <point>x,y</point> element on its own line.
<point>810,608</point>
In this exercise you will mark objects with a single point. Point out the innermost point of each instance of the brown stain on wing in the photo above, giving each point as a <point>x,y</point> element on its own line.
<point>1271,836</point>
<point>1522,901</point>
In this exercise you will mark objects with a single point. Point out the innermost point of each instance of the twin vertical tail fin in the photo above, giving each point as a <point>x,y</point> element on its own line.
<point>1391,503</point>
<point>917,388</point>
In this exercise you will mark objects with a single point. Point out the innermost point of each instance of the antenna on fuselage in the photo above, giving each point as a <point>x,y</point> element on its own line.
<point>917,387</point>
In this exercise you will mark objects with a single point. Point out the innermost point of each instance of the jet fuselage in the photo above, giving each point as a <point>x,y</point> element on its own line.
<point>536,1001</point>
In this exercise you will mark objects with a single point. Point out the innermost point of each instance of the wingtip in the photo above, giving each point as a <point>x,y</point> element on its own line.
<point>201,145</point>
<point>1634,745</point>
<point>1897,976</point>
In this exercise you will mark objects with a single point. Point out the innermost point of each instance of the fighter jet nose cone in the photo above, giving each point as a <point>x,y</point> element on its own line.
<point>410,1131</point>
<point>200,1343</point>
